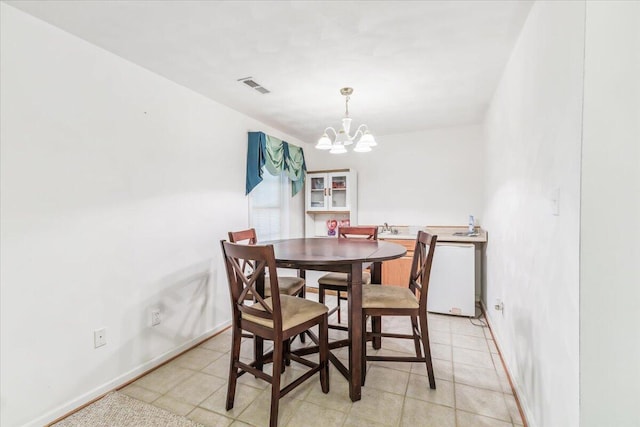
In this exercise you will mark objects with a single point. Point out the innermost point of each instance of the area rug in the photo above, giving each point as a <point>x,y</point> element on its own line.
<point>118,410</point>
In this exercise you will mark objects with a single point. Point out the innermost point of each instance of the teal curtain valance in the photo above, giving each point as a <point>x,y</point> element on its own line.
<point>276,156</point>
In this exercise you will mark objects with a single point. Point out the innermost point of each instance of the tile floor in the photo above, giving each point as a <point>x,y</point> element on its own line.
<point>472,387</point>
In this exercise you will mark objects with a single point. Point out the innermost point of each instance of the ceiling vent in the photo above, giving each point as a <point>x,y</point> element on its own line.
<point>253,85</point>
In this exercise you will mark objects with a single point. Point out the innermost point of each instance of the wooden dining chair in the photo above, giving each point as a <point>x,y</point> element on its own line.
<point>338,281</point>
<point>276,318</point>
<point>408,301</point>
<point>288,285</point>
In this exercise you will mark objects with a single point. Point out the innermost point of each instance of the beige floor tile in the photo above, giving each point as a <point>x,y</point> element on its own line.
<point>441,351</point>
<point>245,395</point>
<point>173,405</point>
<point>338,396</point>
<point>197,358</point>
<point>257,414</point>
<point>196,388</point>
<point>310,415</point>
<point>401,345</point>
<point>240,424</point>
<point>164,378</point>
<point>487,334</point>
<point>250,380</point>
<point>506,386</point>
<point>439,323</point>
<point>481,402</point>
<point>513,410</point>
<point>386,379</point>
<point>423,414</point>
<point>209,419</point>
<point>400,366</point>
<point>463,326</point>
<point>442,369</point>
<point>378,406</point>
<point>292,373</point>
<point>221,343</point>
<point>472,357</point>
<point>439,337</point>
<point>140,393</point>
<point>355,421</point>
<point>470,342</point>
<point>418,388</point>
<point>466,419</point>
<point>477,377</point>
<point>219,368</point>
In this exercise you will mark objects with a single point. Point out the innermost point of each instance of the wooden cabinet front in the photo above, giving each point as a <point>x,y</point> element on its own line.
<point>396,272</point>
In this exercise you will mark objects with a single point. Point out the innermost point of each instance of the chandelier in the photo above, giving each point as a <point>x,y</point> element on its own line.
<point>363,139</point>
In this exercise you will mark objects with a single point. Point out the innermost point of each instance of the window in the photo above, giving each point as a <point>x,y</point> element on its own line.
<point>269,207</point>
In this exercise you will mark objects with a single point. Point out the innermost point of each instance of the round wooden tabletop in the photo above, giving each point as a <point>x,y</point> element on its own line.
<point>333,251</point>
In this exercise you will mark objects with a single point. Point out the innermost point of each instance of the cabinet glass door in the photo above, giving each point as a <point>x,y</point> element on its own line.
<point>317,193</point>
<point>338,191</point>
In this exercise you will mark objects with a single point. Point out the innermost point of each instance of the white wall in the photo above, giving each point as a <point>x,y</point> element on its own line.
<point>432,177</point>
<point>609,250</point>
<point>533,136</point>
<point>116,187</point>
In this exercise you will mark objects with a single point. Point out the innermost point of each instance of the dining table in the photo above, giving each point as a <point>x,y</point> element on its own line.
<point>346,256</point>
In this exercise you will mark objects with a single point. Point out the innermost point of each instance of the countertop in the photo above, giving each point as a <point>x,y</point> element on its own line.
<point>444,233</point>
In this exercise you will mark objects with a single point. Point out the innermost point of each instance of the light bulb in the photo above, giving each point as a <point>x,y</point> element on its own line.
<point>338,149</point>
<point>362,147</point>
<point>324,143</point>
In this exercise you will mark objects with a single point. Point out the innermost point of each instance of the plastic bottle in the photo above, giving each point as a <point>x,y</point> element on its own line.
<point>472,224</point>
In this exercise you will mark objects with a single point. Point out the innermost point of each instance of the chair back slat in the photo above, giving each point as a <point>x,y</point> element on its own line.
<point>368,232</point>
<point>421,266</point>
<point>246,266</point>
<point>244,236</point>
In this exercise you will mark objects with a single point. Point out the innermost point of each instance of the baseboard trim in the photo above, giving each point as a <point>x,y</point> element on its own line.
<point>512,383</point>
<point>123,380</point>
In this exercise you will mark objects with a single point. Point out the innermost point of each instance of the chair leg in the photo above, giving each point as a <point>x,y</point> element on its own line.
<point>339,315</point>
<point>323,332</point>
<point>424,333</point>
<point>278,349</point>
<point>258,351</point>
<point>233,371</point>
<point>303,295</point>
<point>376,326</point>
<point>286,355</point>
<point>363,368</point>
<point>416,335</point>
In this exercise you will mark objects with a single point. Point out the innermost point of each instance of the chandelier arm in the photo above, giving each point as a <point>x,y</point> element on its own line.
<point>361,130</point>
<point>335,134</point>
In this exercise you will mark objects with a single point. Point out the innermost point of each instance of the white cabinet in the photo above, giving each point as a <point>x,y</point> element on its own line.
<point>329,191</point>
<point>331,200</point>
<point>452,284</point>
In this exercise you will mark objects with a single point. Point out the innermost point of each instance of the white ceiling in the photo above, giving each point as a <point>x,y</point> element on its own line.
<point>413,65</point>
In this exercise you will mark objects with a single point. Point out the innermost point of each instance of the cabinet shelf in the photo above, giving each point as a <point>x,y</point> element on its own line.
<point>328,212</point>
<point>330,195</point>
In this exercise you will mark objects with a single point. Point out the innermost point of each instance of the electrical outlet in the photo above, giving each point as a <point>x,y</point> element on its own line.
<point>499,305</point>
<point>155,317</point>
<point>99,337</point>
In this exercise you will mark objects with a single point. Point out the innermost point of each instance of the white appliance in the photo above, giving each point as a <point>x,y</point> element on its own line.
<point>452,286</point>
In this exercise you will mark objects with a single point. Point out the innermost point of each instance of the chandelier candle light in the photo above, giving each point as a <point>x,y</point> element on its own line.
<point>342,138</point>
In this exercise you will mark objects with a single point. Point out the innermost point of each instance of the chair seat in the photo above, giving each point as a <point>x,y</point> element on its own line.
<point>340,279</point>
<point>295,311</point>
<point>377,296</point>
<point>288,285</point>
